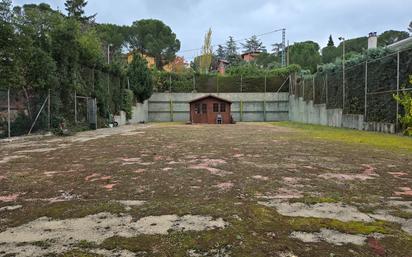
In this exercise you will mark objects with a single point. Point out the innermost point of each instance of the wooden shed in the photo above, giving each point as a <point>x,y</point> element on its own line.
<point>211,110</point>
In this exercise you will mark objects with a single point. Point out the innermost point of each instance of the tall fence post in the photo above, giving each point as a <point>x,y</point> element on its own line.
<point>8,114</point>
<point>241,83</point>
<point>241,101</point>
<point>49,112</point>
<point>194,82</point>
<point>366,92</point>
<point>171,100</point>
<point>327,90</point>
<point>303,88</point>
<point>75,107</point>
<point>170,84</point>
<point>217,84</point>
<point>264,101</point>
<point>397,90</point>
<point>313,84</point>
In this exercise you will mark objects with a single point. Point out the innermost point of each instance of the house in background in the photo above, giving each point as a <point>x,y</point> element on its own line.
<point>210,109</point>
<point>151,62</point>
<point>222,65</point>
<point>177,65</point>
<point>250,56</point>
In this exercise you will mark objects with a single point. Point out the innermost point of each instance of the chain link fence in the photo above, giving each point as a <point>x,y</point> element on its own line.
<point>220,84</point>
<point>90,103</point>
<point>368,88</point>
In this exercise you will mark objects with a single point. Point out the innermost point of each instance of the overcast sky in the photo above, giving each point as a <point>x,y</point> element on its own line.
<point>303,19</point>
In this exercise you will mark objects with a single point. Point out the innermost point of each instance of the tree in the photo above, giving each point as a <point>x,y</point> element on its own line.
<point>253,44</point>
<point>391,36</point>
<point>9,66</point>
<point>330,42</point>
<point>306,54</point>
<point>330,52</point>
<point>410,27</point>
<point>75,9</point>
<point>207,53</point>
<point>277,48</point>
<point>267,60</point>
<point>140,78</point>
<point>154,38</point>
<point>231,51</point>
<point>220,52</point>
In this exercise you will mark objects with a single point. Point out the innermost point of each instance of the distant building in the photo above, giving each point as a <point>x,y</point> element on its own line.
<point>401,45</point>
<point>151,62</point>
<point>177,65</point>
<point>250,56</point>
<point>221,66</point>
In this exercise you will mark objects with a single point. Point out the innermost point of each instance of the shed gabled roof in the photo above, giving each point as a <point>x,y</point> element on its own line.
<point>210,96</point>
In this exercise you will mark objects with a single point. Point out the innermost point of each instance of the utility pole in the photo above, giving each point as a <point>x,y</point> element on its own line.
<point>283,47</point>
<point>8,113</point>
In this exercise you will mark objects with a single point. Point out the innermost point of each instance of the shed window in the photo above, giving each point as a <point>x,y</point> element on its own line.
<point>197,108</point>
<point>215,107</point>
<point>222,107</point>
<point>204,108</point>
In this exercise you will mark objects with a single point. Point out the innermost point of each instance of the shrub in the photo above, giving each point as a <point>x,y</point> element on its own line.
<point>405,99</point>
<point>127,102</point>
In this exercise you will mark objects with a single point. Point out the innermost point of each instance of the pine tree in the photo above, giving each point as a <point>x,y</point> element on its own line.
<point>75,9</point>
<point>231,51</point>
<point>220,52</point>
<point>330,42</point>
<point>253,44</point>
<point>277,48</point>
<point>140,78</point>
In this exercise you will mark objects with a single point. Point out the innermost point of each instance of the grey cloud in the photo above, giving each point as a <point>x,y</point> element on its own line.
<point>304,19</point>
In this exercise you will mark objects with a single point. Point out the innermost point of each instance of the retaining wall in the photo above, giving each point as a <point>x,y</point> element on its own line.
<point>307,112</point>
<point>164,107</point>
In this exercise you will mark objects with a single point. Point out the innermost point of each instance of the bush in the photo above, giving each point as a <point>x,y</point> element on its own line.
<point>127,102</point>
<point>405,99</point>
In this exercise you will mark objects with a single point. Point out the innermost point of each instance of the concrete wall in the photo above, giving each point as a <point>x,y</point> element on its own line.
<point>307,112</point>
<point>163,107</point>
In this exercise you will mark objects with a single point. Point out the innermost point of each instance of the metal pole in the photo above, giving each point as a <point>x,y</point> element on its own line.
<point>264,101</point>
<point>8,113</point>
<point>128,83</point>
<point>283,47</point>
<point>326,89</point>
<point>343,77</point>
<point>241,83</point>
<point>313,83</point>
<point>366,92</point>
<point>170,83</point>
<point>108,73</point>
<point>194,82</point>
<point>303,87</point>
<point>95,112</point>
<point>217,83</point>
<point>37,117</point>
<point>397,89</point>
<point>75,107</point>
<point>49,111</point>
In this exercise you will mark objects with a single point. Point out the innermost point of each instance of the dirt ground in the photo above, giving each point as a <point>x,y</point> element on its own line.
<point>180,190</point>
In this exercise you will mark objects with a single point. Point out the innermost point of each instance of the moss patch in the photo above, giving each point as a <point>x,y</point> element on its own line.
<point>353,227</point>
<point>384,141</point>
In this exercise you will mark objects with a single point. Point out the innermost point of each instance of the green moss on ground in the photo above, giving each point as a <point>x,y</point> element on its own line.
<point>352,227</point>
<point>381,140</point>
